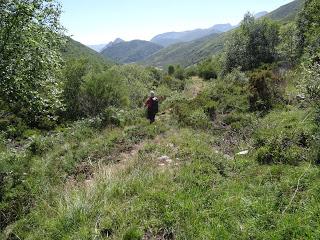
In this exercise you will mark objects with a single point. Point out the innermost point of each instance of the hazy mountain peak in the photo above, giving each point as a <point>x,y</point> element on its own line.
<point>170,38</point>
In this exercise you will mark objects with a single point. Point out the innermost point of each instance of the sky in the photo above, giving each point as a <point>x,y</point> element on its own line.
<point>101,21</point>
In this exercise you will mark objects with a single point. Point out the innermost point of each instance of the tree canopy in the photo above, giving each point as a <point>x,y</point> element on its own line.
<point>30,42</point>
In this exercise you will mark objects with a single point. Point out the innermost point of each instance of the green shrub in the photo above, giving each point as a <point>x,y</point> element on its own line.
<point>16,128</point>
<point>284,137</point>
<point>113,116</point>
<point>171,70</point>
<point>207,70</point>
<point>228,96</point>
<point>179,73</point>
<point>198,119</point>
<point>191,71</point>
<point>133,234</point>
<point>174,83</point>
<point>102,90</point>
<point>265,89</point>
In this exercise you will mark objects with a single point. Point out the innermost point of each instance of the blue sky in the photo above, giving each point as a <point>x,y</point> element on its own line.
<point>101,21</point>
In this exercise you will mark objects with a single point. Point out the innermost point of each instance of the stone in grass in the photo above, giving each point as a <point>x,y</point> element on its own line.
<point>245,152</point>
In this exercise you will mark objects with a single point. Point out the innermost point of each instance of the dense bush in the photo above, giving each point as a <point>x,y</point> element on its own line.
<point>102,90</point>
<point>174,83</point>
<point>196,112</point>
<point>179,73</point>
<point>284,137</point>
<point>137,81</point>
<point>73,78</point>
<point>171,70</point>
<point>229,94</point>
<point>265,89</point>
<point>210,68</point>
<point>207,70</point>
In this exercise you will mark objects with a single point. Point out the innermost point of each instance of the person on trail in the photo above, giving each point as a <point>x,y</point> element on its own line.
<point>152,105</point>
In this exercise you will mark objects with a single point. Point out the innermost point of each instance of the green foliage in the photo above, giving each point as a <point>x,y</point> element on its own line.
<point>171,70</point>
<point>179,73</point>
<point>102,90</point>
<point>74,72</point>
<point>207,70</point>
<point>30,59</point>
<point>174,83</point>
<point>311,83</point>
<point>308,24</point>
<point>284,137</point>
<point>137,82</point>
<point>197,112</point>
<point>114,116</point>
<point>191,71</point>
<point>133,234</point>
<point>229,94</point>
<point>265,89</point>
<point>252,44</point>
<point>288,44</point>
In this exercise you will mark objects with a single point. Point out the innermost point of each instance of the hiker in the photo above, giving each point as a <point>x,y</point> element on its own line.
<point>152,105</point>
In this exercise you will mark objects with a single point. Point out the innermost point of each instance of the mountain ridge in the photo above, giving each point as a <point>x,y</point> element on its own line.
<point>131,51</point>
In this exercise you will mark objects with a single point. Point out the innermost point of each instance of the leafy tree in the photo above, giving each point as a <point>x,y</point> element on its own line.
<point>171,70</point>
<point>30,42</point>
<point>289,43</point>
<point>252,44</point>
<point>308,24</point>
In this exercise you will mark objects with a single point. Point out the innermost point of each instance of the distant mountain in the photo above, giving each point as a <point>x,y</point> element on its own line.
<point>190,53</point>
<point>169,38</point>
<point>130,52</point>
<point>74,49</point>
<point>100,47</point>
<point>112,43</point>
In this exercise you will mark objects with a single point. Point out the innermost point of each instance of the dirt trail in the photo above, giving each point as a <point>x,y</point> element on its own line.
<point>126,158</point>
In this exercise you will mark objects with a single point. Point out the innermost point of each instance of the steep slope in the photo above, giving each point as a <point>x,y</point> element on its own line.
<point>74,49</point>
<point>287,12</point>
<point>193,52</point>
<point>129,52</point>
<point>167,39</point>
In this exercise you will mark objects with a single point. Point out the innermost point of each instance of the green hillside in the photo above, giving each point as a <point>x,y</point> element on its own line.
<point>189,53</point>
<point>76,50</point>
<point>287,12</point>
<point>130,52</point>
